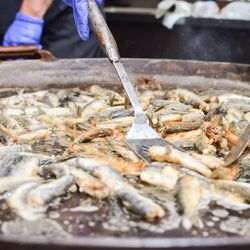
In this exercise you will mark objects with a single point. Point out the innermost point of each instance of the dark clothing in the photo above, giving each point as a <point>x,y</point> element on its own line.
<point>60,34</point>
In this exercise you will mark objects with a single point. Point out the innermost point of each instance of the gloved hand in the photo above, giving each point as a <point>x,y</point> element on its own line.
<point>25,30</point>
<point>80,10</point>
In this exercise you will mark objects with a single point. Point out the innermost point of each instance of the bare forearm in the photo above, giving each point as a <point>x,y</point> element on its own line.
<point>35,8</point>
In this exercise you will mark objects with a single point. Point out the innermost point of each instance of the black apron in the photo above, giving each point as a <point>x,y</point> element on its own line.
<point>59,36</point>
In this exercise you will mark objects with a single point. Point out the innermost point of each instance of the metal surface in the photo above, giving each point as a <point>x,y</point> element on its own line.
<point>239,147</point>
<point>83,72</point>
<point>171,73</point>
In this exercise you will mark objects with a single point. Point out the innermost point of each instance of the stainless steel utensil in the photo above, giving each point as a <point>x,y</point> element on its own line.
<point>140,136</point>
<point>239,147</point>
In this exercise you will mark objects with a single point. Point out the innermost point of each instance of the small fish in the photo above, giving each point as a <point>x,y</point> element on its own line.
<point>96,148</point>
<point>35,103</point>
<point>18,202</point>
<point>239,127</point>
<point>65,95</point>
<point>194,115</point>
<point>44,193</point>
<point>227,199</point>
<point>119,164</point>
<point>122,149</point>
<point>210,161</point>
<point>237,106</point>
<point>106,95</point>
<point>64,112</point>
<point>93,133</point>
<point>188,98</point>
<point>8,133</point>
<point>165,177</point>
<point>190,196</point>
<point>234,186</point>
<point>169,154</point>
<point>233,115</point>
<point>30,111</point>
<point>245,160</point>
<point>204,145</point>
<point>51,99</point>
<point>163,119</point>
<point>247,117</point>
<point>60,169</point>
<point>118,113</point>
<point>90,185</point>
<point>184,139</point>
<point>13,112</point>
<point>12,182</point>
<point>28,167</point>
<point>100,116</point>
<point>232,138</point>
<point>227,173</point>
<point>116,123</point>
<point>214,130</point>
<point>18,165</point>
<point>6,150</point>
<point>175,127</point>
<point>9,122</point>
<point>169,107</point>
<point>233,98</point>
<point>131,198</point>
<point>35,136</point>
<point>12,100</point>
<point>146,98</point>
<point>92,107</point>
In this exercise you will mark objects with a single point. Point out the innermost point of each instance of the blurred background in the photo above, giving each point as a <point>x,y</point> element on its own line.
<point>140,34</point>
<point>142,29</point>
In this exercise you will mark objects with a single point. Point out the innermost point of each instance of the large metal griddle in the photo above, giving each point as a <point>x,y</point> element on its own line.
<point>38,74</point>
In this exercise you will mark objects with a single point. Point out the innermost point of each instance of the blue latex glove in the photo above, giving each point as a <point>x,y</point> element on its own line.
<point>80,10</point>
<point>24,30</point>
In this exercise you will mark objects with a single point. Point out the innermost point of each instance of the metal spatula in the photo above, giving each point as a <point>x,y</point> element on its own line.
<point>141,136</point>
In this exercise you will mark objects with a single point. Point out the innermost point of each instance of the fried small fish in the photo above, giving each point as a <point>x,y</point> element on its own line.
<point>210,161</point>
<point>187,97</point>
<point>130,197</point>
<point>172,155</point>
<point>234,186</point>
<point>123,166</point>
<point>44,193</point>
<point>190,196</point>
<point>185,139</point>
<point>90,185</point>
<point>160,176</point>
<point>18,202</point>
<point>12,182</point>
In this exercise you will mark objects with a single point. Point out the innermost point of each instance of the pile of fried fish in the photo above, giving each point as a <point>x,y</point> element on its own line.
<point>54,142</point>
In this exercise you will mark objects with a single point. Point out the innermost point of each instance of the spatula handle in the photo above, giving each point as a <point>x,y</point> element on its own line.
<point>102,32</point>
<point>109,46</point>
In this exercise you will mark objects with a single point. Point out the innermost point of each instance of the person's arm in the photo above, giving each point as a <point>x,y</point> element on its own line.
<point>35,8</point>
<point>27,27</point>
